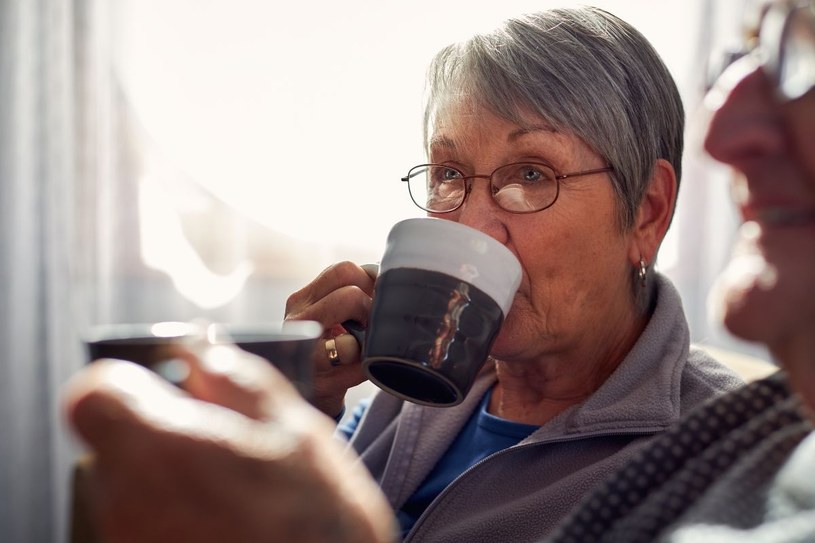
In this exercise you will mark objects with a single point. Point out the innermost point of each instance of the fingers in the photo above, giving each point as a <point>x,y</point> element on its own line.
<point>162,460</point>
<point>232,378</point>
<point>165,461</point>
<point>337,364</point>
<point>342,350</point>
<point>130,417</point>
<point>113,398</point>
<point>332,381</point>
<point>345,303</point>
<point>341,292</point>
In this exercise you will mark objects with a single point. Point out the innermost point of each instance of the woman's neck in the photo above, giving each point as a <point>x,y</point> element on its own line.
<point>535,391</point>
<point>532,394</point>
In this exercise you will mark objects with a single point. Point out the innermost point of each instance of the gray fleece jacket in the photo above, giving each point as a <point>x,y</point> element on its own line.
<point>520,493</point>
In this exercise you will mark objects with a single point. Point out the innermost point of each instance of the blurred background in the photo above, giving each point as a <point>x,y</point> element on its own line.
<point>176,159</point>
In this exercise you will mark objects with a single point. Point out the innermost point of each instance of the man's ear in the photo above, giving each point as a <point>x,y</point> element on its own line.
<point>654,214</point>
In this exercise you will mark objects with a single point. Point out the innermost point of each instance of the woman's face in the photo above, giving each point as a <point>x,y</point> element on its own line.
<point>767,293</point>
<point>575,296</point>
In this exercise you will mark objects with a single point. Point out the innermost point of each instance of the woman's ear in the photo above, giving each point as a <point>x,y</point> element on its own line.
<point>654,214</point>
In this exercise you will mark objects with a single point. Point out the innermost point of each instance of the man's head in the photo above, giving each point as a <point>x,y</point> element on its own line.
<point>764,128</point>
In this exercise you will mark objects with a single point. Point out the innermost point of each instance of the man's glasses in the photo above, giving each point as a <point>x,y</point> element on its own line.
<point>783,44</point>
<point>524,187</point>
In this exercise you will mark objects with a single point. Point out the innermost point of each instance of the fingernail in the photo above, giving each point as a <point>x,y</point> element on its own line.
<point>219,358</point>
<point>174,370</point>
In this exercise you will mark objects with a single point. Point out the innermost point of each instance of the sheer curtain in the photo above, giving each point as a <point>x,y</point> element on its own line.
<point>120,121</point>
<point>40,157</point>
<point>698,244</point>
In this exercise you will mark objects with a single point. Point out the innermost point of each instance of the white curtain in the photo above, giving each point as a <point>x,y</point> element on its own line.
<point>109,216</point>
<point>39,160</point>
<point>698,244</point>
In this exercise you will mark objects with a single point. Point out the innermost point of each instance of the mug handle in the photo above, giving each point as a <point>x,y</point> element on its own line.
<point>356,329</point>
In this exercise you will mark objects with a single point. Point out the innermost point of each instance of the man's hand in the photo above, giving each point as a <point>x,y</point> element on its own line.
<point>239,456</point>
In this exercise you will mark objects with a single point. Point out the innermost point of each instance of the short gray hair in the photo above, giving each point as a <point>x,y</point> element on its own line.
<point>583,71</point>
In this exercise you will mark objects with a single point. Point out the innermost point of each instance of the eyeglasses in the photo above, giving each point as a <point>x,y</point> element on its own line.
<point>783,44</point>
<point>523,187</point>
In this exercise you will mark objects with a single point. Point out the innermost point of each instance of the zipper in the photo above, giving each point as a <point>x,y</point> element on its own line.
<point>556,439</point>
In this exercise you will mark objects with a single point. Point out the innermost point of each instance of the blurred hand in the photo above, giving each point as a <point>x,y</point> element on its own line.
<point>341,292</point>
<point>239,457</point>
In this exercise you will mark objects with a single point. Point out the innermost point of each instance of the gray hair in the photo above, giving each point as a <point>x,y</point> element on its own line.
<point>583,71</point>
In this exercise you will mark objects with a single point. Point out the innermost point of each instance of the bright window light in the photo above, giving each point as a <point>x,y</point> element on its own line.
<point>302,116</point>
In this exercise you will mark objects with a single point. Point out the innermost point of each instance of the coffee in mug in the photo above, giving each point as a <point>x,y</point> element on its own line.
<point>442,293</point>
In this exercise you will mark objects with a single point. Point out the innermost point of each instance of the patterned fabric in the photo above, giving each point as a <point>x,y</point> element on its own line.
<point>715,467</point>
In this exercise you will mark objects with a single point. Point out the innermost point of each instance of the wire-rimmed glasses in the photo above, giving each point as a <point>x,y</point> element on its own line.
<point>521,187</point>
<point>782,42</point>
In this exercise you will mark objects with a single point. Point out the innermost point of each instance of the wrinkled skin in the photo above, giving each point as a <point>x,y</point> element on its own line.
<point>239,457</point>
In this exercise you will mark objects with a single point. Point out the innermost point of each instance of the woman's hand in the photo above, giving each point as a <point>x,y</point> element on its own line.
<point>239,457</point>
<point>341,292</point>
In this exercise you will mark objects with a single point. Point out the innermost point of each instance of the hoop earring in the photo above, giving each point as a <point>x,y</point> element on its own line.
<point>642,273</point>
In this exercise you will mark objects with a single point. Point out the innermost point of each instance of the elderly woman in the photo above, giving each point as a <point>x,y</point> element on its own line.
<point>593,358</point>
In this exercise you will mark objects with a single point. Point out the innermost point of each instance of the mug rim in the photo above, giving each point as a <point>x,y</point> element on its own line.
<point>474,256</point>
<point>170,329</point>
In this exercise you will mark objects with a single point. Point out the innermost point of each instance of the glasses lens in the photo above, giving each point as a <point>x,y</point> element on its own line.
<point>436,188</point>
<point>524,187</point>
<point>796,65</point>
<point>719,62</point>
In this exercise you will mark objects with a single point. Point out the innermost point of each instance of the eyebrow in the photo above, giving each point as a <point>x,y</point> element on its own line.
<point>441,141</point>
<point>515,135</point>
<point>521,132</point>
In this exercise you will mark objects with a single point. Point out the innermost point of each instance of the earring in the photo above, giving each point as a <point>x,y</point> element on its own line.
<point>642,273</point>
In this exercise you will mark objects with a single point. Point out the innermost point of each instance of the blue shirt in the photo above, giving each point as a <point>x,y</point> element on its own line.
<point>483,435</point>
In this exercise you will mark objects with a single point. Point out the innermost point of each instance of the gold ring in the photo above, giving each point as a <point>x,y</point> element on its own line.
<point>331,351</point>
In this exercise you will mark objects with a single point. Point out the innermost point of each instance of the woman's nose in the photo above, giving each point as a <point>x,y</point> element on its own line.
<point>479,200</point>
<point>481,211</point>
<point>747,124</point>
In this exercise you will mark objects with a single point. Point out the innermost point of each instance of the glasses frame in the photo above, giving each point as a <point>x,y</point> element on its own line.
<point>765,44</point>
<point>778,21</point>
<point>467,179</point>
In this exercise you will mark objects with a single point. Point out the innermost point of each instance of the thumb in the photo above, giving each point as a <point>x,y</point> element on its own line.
<point>233,378</point>
<point>109,399</point>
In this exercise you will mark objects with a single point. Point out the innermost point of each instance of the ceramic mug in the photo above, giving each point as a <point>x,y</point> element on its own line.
<point>440,298</point>
<point>288,345</point>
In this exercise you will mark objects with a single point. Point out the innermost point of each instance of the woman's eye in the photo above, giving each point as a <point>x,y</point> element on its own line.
<point>450,174</point>
<point>527,174</point>
<point>442,174</point>
<point>530,175</point>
